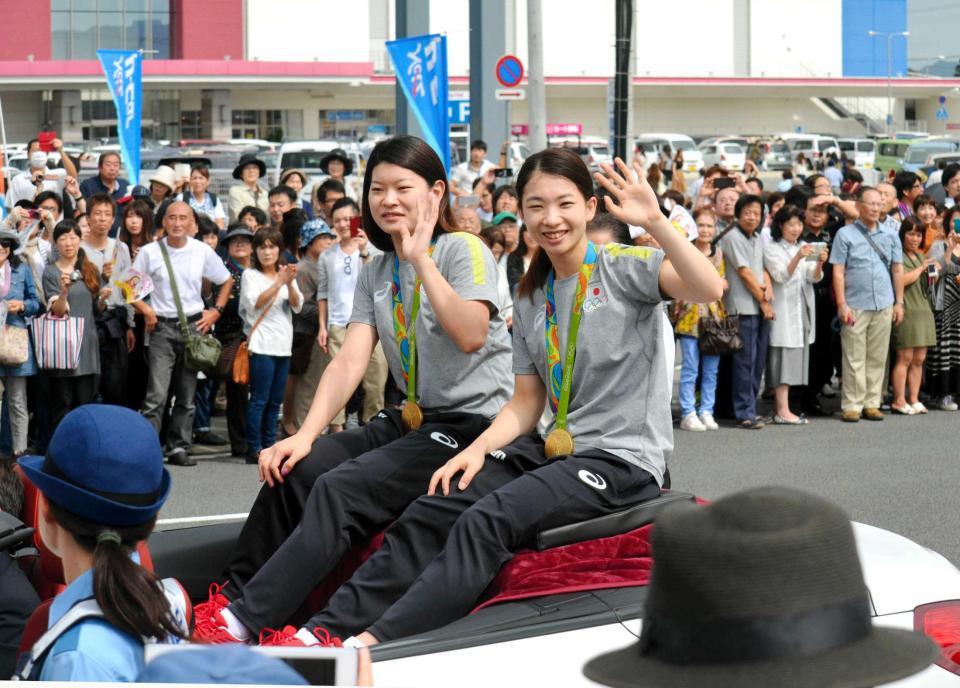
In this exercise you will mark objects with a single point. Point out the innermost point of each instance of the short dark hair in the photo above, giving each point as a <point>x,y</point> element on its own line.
<point>108,154</point>
<point>744,201</point>
<point>345,202</point>
<point>949,172</point>
<point>812,180</point>
<point>507,189</point>
<point>283,190</point>
<point>912,223</point>
<point>491,234</point>
<point>922,200</point>
<point>275,237</point>
<point>48,195</point>
<point>478,144</point>
<point>904,181</point>
<point>258,214</point>
<point>327,186</point>
<point>787,174</point>
<point>864,189</point>
<point>754,179</point>
<point>206,226</point>
<point>606,222</point>
<point>773,198</point>
<point>101,199</point>
<point>781,217</point>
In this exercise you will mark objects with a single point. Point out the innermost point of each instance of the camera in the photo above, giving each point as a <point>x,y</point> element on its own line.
<point>76,276</point>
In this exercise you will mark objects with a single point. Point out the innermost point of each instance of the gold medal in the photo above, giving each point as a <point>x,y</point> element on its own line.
<point>559,443</point>
<point>412,415</point>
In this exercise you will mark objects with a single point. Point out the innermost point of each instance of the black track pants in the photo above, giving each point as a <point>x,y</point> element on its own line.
<point>346,506</point>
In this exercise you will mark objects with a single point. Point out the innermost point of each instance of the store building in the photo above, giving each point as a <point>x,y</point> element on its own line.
<point>275,69</point>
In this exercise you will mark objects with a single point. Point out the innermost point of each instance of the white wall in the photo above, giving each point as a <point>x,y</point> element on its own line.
<point>22,114</point>
<point>684,37</point>
<point>307,30</point>
<point>788,42</point>
<point>452,17</point>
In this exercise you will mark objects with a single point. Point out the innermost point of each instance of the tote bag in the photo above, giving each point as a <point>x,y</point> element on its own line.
<point>56,341</point>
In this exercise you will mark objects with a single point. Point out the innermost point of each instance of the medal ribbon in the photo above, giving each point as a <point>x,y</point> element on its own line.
<point>561,376</point>
<point>407,336</point>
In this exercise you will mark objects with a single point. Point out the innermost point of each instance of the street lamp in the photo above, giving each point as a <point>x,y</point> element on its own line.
<point>889,36</point>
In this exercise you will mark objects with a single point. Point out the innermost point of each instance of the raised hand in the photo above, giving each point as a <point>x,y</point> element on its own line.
<point>636,203</point>
<point>416,244</point>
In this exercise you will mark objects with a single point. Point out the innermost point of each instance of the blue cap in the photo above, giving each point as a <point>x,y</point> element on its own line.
<point>104,463</point>
<point>219,664</point>
<point>311,229</point>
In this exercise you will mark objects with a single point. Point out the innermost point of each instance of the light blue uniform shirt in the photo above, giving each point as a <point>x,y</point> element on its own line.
<point>92,650</point>
<point>867,280</point>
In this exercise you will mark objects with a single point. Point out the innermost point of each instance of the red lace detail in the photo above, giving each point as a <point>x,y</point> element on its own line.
<point>285,636</point>
<point>209,624</point>
<point>326,640</point>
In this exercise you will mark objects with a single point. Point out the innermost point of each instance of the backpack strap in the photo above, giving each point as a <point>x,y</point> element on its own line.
<point>31,663</point>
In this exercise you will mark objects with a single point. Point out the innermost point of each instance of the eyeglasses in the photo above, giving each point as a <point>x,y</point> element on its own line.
<point>347,269</point>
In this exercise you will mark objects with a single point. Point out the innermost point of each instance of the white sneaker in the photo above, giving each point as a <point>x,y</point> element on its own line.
<point>691,422</point>
<point>948,404</point>
<point>708,422</point>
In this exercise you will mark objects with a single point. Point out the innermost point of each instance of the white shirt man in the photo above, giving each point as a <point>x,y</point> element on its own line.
<point>191,262</point>
<point>26,185</point>
<point>464,174</point>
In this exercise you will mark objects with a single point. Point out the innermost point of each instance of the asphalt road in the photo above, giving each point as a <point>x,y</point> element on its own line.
<point>900,474</point>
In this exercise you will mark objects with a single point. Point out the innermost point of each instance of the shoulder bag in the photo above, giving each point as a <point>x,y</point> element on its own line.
<point>14,341</point>
<point>719,335</point>
<point>241,360</point>
<point>201,352</point>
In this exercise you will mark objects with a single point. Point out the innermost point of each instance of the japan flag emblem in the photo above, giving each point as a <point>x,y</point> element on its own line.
<point>596,298</point>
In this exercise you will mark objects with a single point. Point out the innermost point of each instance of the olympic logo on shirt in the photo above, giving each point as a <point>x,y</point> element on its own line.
<point>596,299</point>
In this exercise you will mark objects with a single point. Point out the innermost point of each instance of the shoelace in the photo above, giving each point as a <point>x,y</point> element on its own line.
<point>326,640</point>
<point>209,624</point>
<point>272,636</point>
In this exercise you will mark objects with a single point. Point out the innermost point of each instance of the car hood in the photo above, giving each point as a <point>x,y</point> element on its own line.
<point>901,574</point>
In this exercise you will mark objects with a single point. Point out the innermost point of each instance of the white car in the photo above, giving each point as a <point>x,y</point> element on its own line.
<point>813,146</point>
<point>652,145</point>
<point>306,156</point>
<point>861,152</point>
<point>730,155</point>
<point>545,640</point>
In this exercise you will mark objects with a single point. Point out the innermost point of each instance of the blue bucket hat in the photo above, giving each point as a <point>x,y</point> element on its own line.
<point>104,464</point>
<point>311,229</point>
<point>219,664</point>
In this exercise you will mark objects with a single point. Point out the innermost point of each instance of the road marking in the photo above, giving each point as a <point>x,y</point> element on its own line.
<point>201,519</point>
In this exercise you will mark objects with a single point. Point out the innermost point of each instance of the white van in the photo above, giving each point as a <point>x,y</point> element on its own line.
<point>813,146</point>
<point>652,144</point>
<point>861,152</point>
<point>306,156</point>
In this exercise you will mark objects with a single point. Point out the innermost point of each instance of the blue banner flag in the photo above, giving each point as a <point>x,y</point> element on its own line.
<point>420,63</point>
<point>123,69</point>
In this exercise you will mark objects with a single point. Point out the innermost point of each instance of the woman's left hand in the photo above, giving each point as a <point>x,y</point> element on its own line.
<point>636,203</point>
<point>415,245</point>
<point>14,306</point>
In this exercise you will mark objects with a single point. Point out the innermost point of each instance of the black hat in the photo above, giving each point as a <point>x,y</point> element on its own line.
<point>249,159</point>
<point>238,230</point>
<point>762,588</point>
<point>337,154</point>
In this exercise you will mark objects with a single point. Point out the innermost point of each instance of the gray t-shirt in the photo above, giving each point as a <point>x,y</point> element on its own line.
<point>740,251</point>
<point>447,378</point>
<point>620,394</point>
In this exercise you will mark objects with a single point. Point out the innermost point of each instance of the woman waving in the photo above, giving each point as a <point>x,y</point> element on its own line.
<point>431,300</point>
<point>587,339</point>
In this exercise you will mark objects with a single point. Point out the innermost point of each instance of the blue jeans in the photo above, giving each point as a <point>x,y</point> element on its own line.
<point>203,404</point>
<point>690,348</point>
<point>748,365</point>
<point>268,381</point>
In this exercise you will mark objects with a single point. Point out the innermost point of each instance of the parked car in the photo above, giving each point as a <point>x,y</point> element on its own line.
<point>813,146</point>
<point>653,143</point>
<point>594,150</point>
<point>890,154</point>
<point>775,154</point>
<point>732,156</point>
<point>920,152</point>
<point>861,152</point>
<point>306,156</point>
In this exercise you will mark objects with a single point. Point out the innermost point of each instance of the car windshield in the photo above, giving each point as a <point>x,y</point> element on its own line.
<point>824,144</point>
<point>733,149</point>
<point>801,144</point>
<point>847,146</point>
<point>779,147</point>
<point>601,151</point>
<point>302,159</point>
<point>920,152</point>
<point>684,145</point>
<point>865,146</point>
<point>892,150</point>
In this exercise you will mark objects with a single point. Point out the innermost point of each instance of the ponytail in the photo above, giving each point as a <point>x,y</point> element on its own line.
<point>130,596</point>
<point>536,275</point>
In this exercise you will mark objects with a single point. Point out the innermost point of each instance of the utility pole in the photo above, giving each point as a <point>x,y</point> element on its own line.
<point>412,19</point>
<point>621,84</point>
<point>889,36</point>
<point>536,87</point>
